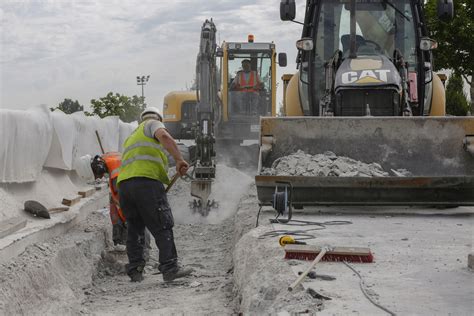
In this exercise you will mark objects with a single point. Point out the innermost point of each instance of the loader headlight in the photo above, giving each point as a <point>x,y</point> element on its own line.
<point>305,44</point>
<point>428,44</point>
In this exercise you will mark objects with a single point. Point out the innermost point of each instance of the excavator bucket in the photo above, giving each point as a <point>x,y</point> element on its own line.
<point>437,151</point>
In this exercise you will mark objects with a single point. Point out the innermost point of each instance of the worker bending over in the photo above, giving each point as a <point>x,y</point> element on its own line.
<point>141,183</point>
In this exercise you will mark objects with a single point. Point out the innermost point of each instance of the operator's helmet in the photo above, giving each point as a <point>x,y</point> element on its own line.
<point>151,112</point>
<point>83,168</point>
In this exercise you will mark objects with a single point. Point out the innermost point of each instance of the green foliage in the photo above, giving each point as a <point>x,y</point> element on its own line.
<point>128,109</point>
<point>68,106</point>
<point>455,38</point>
<point>456,102</point>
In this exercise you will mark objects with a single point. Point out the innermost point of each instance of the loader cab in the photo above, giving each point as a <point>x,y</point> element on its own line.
<point>356,56</point>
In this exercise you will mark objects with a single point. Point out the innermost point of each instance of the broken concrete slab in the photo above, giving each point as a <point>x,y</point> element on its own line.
<point>328,165</point>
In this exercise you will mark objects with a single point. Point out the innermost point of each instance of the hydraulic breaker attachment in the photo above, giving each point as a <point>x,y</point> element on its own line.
<point>201,189</point>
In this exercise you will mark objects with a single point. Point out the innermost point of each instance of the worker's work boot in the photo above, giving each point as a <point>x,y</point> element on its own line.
<point>136,275</point>
<point>178,273</point>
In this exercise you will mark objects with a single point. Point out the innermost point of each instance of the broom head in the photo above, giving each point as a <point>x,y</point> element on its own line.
<point>309,252</point>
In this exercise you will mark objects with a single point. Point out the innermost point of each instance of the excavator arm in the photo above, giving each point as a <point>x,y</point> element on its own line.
<point>206,89</point>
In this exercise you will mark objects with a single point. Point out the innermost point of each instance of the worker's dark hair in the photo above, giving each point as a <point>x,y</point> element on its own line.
<point>99,168</point>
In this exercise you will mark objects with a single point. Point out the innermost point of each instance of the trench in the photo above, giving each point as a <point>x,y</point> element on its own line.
<point>207,248</point>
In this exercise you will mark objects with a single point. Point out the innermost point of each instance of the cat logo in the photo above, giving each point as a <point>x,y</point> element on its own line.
<point>365,76</point>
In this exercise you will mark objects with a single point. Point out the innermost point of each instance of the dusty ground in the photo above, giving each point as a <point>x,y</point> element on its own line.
<point>420,264</point>
<point>205,247</point>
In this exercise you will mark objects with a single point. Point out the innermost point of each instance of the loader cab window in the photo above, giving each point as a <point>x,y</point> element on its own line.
<point>249,83</point>
<point>381,27</point>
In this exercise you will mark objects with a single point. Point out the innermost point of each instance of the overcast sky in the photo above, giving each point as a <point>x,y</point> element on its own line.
<point>56,49</point>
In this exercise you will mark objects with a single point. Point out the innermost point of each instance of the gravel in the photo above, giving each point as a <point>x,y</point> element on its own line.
<point>328,164</point>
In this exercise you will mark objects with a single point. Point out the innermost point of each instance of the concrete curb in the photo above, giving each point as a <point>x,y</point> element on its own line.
<point>38,230</point>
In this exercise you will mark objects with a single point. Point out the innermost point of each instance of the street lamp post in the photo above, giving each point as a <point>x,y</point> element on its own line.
<point>141,81</point>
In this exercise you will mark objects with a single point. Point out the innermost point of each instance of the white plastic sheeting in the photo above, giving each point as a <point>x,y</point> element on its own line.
<point>35,138</point>
<point>25,139</point>
<point>66,131</point>
<point>87,143</point>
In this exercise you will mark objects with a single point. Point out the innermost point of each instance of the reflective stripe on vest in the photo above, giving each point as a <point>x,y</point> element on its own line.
<point>141,157</point>
<point>142,144</point>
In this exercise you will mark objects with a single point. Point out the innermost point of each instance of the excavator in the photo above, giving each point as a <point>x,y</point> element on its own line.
<point>365,89</point>
<point>217,116</point>
<point>207,105</point>
<point>237,110</point>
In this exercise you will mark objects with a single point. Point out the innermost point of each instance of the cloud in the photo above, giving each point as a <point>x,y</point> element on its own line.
<point>51,50</point>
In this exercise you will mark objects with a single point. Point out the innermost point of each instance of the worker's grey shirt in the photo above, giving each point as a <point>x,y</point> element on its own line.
<point>151,126</point>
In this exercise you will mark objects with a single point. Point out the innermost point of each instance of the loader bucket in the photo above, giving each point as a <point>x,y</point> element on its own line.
<point>437,151</point>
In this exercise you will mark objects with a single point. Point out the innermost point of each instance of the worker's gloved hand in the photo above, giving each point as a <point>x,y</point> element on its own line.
<point>182,167</point>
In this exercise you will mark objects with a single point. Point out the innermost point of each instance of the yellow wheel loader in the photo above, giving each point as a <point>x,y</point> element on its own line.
<point>365,89</point>
<point>239,108</point>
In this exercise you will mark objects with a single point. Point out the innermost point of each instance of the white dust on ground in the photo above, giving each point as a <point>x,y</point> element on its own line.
<point>204,243</point>
<point>49,189</point>
<point>227,189</point>
<point>327,165</point>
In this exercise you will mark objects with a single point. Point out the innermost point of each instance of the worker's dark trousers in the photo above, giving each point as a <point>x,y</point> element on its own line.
<point>144,203</point>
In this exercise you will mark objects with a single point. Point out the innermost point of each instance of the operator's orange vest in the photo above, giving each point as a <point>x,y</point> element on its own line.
<point>247,85</point>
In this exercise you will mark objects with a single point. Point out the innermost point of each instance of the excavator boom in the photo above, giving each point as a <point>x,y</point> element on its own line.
<point>206,84</point>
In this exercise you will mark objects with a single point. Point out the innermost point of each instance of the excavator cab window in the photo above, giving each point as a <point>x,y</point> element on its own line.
<point>249,83</point>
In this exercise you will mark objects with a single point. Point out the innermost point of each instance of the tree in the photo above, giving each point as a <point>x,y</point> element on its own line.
<point>68,106</point>
<point>128,109</point>
<point>455,38</point>
<point>456,102</point>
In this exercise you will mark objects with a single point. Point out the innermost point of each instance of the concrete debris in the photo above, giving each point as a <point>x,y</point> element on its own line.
<point>327,165</point>
<point>195,284</point>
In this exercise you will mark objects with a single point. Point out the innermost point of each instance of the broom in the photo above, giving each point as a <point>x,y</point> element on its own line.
<point>309,252</point>
<point>304,252</point>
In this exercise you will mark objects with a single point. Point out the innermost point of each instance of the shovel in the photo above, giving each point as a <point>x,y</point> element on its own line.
<point>39,210</point>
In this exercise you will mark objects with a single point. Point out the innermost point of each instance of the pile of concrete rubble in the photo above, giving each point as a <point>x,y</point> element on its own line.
<point>327,165</point>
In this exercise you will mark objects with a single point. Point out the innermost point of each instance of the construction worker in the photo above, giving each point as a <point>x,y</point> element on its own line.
<point>247,84</point>
<point>246,80</point>
<point>96,168</point>
<point>141,184</point>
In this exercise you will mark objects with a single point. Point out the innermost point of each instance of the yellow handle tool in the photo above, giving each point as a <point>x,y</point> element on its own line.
<point>287,240</point>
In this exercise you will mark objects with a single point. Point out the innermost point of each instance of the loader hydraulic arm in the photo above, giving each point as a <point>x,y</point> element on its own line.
<point>206,89</point>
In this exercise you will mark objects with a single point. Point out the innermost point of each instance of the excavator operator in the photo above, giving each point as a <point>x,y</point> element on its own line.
<point>248,82</point>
